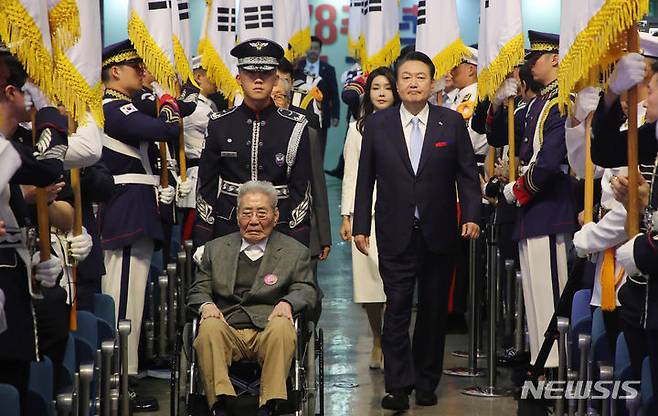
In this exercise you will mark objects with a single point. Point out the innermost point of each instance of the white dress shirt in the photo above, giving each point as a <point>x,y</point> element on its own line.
<point>405,118</point>
<point>313,68</point>
<point>254,251</point>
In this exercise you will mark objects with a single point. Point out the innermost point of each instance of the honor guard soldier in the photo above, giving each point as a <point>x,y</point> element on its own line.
<point>130,223</point>
<point>23,164</point>
<point>254,141</point>
<point>544,192</point>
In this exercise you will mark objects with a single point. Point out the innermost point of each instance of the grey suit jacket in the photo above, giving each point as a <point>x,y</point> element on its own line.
<point>320,225</point>
<point>284,257</point>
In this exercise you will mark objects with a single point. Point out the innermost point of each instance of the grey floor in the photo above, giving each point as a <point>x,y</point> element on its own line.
<point>350,387</point>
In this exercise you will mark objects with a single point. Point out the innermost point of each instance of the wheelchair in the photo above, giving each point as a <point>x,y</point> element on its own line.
<point>305,380</point>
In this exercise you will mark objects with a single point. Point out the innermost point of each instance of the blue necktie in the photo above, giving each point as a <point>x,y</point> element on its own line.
<point>416,143</point>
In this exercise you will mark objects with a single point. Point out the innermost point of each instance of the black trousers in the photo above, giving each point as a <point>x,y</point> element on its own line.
<point>417,364</point>
<point>17,373</point>
<point>53,327</point>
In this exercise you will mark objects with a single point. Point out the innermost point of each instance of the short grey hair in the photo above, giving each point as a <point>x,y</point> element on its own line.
<point>258,187</point>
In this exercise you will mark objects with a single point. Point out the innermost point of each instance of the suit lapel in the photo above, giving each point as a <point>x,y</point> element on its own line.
<point>232,253</point>
<point>431,130</point>
<point>401,143</point>
<point>270,260</point>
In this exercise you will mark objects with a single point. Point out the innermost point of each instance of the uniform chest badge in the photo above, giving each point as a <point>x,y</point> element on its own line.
<point>280,159</point>
<point>270,279</point>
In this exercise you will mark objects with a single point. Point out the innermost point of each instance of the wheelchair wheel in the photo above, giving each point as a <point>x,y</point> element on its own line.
<point>310,382</point>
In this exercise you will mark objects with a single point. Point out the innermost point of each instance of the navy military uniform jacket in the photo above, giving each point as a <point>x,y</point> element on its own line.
<point>132,212</point>
<point>40,167</point>
<point>242,145</point>
<point>544,189</point>
<point>639,295</point>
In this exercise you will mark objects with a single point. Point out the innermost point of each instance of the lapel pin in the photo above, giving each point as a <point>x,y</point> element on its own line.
<point>270,279</point>
<point>440,123</point>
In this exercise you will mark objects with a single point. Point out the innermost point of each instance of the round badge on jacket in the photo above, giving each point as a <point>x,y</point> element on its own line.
<point>270,279</point>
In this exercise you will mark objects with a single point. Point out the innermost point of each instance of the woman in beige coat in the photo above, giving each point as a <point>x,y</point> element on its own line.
<point>381,93</point>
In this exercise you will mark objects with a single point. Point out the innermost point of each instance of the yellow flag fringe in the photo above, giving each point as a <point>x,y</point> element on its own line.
<point>217,70</point>
<point>298,44</point>
<point>182,64</point>
<point>450,57</point>
<point>154,58</point>
<point>354,47</point>
<point>385,57</point>
<point>64,21</point>
<point>491,77</point>
<point>595,46</point>
<point>75,93</point>
<point>24,39</point>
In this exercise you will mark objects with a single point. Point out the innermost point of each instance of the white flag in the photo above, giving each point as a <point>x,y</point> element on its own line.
<point>355,16</point>
<point>292,30</point>
<point>592,38</point>
<point>149,30</point>
<point>77,72</point>
<point>256,20</point>
<point>500,46</point>
<point>438,34</point>
<point>24,28</point>
<point>381,33</point>
<point>180,29</point>
<point>218,38</point>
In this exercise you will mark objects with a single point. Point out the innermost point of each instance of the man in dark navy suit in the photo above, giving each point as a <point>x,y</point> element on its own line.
<point>417,153</point>
<point>313,66</point>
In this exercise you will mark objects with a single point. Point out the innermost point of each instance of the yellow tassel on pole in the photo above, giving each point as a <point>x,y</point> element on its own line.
<point>511,142</point>
<point>633,219</point>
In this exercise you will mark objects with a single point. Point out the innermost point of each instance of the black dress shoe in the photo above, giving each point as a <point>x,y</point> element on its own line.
<point>141,403</point>
<point>513,358</point>
<point>396,400</point>
<point>425,398</point>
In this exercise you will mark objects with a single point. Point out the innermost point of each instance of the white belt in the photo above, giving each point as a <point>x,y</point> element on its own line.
<point>121,147</point>
<point>136,178</point>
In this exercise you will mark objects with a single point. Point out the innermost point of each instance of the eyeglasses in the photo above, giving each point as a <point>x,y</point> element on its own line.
<point>260,215</point>
<point>138,66</point>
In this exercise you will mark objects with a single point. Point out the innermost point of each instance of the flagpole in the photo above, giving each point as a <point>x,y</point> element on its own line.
<point>181,151</point>
<point>164,172</point>
<point>511,143</point>
<point>42,215</point>
<point>633,219</point>
<point>77,230</point>
<point>588,215</point>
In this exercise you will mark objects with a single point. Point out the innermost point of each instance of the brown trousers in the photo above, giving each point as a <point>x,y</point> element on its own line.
<point>218,345</point>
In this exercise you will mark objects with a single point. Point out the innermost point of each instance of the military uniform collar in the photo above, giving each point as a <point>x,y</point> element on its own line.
<point>258,115</point>
<point>549,89</point>
<point>117,95</point>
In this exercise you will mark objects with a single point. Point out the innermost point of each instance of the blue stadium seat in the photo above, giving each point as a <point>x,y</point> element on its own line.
<point>9,400</point>
<point>41,379</point>
<point>69,363</point>
<point>623,370</point>
<point>581,322</point>
<point>600,345</point>
<point>104,308</point>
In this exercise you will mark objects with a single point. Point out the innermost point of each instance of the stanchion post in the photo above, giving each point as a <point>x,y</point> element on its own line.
<point>471,370</point>
<point>189,267</point>
<point>163,282</point>
<point>509,287</point>
<point>518,314</point>
<point>562,327</point>
<point>124,396</point>
<point>75,401</point>
<point>572,376</point>
<point>171,307</point>
<point>149,324</point>
<point>493,269</point>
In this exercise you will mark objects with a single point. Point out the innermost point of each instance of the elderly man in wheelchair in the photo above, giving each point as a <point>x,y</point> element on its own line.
<point>248,286</point>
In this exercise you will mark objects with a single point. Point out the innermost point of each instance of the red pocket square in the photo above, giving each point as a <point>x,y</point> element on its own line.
<point>440,144</point>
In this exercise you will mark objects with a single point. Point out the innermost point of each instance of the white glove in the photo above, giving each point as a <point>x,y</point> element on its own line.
<point>46,272</point>
<point>183,188</point>
<point>34,96</point>
<point>198,254</point>
<point>157,89</point>
<point>508,88</point>
<point>586,102</point>
<point>166,195</point>
<point>629,71</point>
<point>79,246</point>
<point>508,192</point>
<point>626,259</point>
